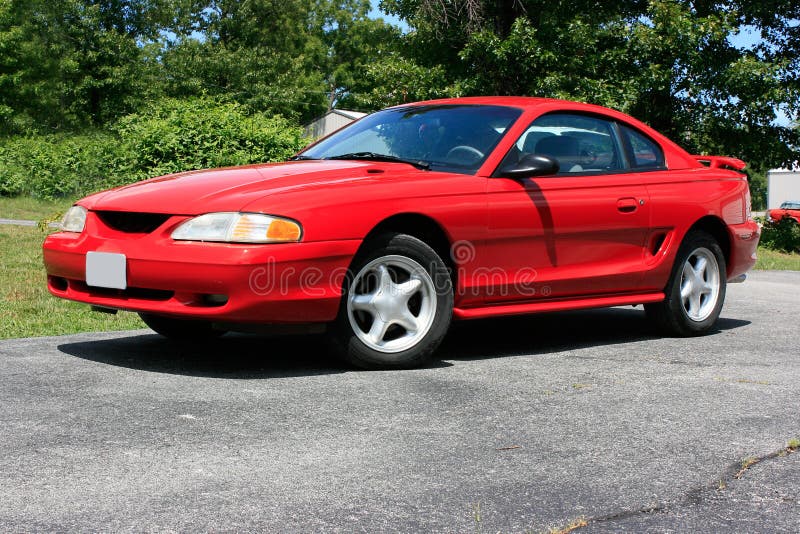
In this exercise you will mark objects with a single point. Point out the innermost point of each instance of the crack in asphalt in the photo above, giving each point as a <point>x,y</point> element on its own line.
<point>696,496</point>
<point>699,365</point>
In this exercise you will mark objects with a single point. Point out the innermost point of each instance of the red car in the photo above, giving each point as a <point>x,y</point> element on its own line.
<point>789,209</point>
<point>417,215</point>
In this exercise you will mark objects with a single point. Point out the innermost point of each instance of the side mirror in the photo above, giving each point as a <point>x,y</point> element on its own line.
<point>529,166</point>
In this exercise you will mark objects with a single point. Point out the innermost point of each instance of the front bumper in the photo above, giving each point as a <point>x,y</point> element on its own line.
<point>236,283</point>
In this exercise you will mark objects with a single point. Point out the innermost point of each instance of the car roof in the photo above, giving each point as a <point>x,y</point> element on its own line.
<point>514,101</point>
<point>527,103</point>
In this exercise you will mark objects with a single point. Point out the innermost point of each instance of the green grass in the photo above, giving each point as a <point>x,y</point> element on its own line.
<point>777,261</point>
<point>26,307</point>
<point>32,208</point>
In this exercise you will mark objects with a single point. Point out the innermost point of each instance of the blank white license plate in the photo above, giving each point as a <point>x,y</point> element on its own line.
<point>104,269</point>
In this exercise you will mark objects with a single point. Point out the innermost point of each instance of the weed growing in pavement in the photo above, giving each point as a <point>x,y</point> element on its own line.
<point>747,463</point>
<point>575,524</point>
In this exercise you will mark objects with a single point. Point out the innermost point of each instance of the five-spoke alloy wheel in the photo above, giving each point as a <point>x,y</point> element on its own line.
<point>696,288</point>
<point>700,284</point>
<point>391,303</point>
<point>397,304</point>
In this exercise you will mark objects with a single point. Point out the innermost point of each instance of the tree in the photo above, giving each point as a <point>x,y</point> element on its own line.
<point>291,57</point>
<point>255,52</point>
<point>75,62</point>
<point>352,41</point>
<point>668,62</point>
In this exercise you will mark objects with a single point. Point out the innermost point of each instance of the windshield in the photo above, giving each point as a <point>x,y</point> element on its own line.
<point>454,138</point>
<point>790,206</point>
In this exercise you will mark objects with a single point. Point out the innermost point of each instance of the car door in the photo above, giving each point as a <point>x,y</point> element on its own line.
<point>581,232</point>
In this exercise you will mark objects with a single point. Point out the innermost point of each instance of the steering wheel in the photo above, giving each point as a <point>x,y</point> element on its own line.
<point>464,151</point>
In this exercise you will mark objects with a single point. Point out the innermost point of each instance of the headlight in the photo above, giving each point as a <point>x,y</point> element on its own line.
<point>74,220</point>
<point>234,227</point>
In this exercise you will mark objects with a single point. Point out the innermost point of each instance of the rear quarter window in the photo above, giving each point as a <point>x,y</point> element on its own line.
<point>643,152</point>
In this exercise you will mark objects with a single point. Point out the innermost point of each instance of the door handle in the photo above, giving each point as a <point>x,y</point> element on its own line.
<point>627,204</point>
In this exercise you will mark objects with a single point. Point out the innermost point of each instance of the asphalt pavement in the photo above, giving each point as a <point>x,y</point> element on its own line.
<point>523,425</point>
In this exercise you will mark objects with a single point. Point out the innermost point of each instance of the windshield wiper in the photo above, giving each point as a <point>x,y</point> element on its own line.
<point>301,158</point>
<point>372,156</point>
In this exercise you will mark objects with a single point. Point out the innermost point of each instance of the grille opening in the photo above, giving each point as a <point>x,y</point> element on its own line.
<point>132,222</point>
<point>139,293</point>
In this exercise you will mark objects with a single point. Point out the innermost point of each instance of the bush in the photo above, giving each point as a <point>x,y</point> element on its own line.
<point>55,166</point>
<point>169,137</point>
<point>782,235</point>
<point>758,190</point>
<point>177,135</point>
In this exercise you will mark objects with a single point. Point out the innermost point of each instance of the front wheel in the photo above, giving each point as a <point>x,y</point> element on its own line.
<point>695,292</point>
<point>396,305</point>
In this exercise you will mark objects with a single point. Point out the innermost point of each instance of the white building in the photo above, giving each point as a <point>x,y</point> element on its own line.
<point>782,185</point>
<point>330,122</point>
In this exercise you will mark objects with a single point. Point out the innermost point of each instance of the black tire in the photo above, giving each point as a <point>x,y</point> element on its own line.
<point>186,330</point>
<point>672,316</point>
<point>351,330</point>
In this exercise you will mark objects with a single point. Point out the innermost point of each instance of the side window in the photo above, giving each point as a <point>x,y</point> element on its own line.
<point>580,143</point>
<point>645,153</point>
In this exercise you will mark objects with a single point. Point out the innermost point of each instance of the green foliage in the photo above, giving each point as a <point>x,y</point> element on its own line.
<point>73,63</point>
<point>55,166</point>
<point>256,76</point>
<point>295,58</point>
<point>758,189</point>
<point>355,44</point>
<point>396,80</point>
<point>81,65</point>
<point>170,136</point>
<point>782,235</point>
<point>670,63</point>
<point>177,135</point>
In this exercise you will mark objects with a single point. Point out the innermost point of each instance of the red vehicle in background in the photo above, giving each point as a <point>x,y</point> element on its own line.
<point>790,209</point>
<point>417,215</point>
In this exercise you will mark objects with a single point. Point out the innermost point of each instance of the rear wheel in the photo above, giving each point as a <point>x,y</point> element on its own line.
<point>396,305</point>
<point>695,292</point>
<point>180,329</point>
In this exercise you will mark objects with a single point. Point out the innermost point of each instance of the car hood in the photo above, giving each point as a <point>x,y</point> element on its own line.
<point>231,189</point>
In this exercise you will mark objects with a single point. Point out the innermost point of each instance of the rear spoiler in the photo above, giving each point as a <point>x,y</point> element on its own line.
<point>721,162</point>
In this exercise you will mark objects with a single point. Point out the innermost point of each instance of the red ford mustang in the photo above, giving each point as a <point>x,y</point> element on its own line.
<point>387,230</point>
